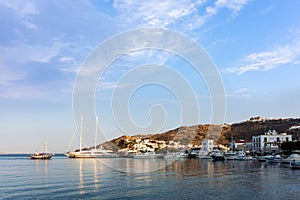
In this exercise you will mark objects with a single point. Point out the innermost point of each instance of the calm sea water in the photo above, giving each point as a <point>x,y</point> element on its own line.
<point>121,178</point>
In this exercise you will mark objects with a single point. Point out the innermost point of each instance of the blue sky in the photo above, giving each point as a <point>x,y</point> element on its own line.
<point>254,44</point>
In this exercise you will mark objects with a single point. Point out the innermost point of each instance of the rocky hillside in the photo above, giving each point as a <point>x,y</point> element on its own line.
<point>245,130</point>
<point>222,133</point>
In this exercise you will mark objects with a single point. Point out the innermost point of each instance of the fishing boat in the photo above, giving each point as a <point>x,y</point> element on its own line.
<point>96,152</point>
<point>42,156</point>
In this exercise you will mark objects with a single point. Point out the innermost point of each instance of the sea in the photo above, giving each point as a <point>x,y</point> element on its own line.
<point>127,178</point>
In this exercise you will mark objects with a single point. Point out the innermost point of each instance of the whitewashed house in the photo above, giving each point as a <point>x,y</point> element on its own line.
<point>207,145</point>
<point>271,140</point>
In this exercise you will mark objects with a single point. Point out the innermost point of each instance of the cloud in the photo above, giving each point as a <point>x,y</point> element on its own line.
<point>24,53</point>
<point>24,10</point>
<point>241,90</point>
<point>66,59</point>
<point>155,13</point>
<point>8,76</point>
<point>240,93</point>
<point>183,14</point>
<point>20,92</point>
<point>267,60</point>
<point>234,5</point>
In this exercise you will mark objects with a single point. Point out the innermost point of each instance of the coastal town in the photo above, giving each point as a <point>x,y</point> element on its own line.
<point>271,146</point>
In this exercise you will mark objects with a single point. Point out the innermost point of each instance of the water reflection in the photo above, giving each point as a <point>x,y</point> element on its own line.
<point>81,177</point>
<point>41,167</point>
<point>129,165</point>
<point>250,178</point>
<point>187,179</point>
<point>90,170</point>
<point>96,175</point>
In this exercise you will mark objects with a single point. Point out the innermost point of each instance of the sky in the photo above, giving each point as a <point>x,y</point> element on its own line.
<point>254,45</point>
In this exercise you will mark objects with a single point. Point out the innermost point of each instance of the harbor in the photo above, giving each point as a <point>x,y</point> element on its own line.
<point>150,100</point>
<point>127,178</point>
<point>270,147</point>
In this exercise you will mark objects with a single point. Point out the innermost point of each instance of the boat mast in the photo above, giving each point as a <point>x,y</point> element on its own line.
<point>81,122</point>
<point>46,149</point>
<point>96,132</point>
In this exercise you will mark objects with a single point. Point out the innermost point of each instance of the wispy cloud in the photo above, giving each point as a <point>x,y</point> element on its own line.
<point>267,60</point>
<point>186,14</point>
<point>8,76</point>
<point>241,90</point>
<point>24,11</point>
<point>55,91</point>
<point>235,5</point>
<point>110,86</point>
<point>24,53</point>
<point>66,59</point>
<point>155,13</point>
<point>20,92</point>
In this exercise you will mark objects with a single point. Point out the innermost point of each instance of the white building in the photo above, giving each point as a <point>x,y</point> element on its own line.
<point>269,141</point>
<point>207,145</point>
<point>237,145</point>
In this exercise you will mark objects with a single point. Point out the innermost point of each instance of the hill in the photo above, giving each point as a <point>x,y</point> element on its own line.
<point>222,133</point>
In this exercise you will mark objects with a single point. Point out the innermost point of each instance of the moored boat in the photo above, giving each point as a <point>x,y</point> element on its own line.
<point>91,152</point>
<point>243,156</point>
<point>263,158</point>
<point>217,156</point>
<point>291,158</point>
<point>274,159</point>
<point>147,155</point>
<point>295,165</point>
<point>231,156</point>
<point>205,155</point>
<point>175,156</point>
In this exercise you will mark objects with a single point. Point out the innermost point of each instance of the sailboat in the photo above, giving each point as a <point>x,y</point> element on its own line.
<point>93,152</point>
<point>42,156</point>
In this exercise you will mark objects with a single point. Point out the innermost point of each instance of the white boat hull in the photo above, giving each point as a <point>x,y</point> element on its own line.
<point>91,154</point>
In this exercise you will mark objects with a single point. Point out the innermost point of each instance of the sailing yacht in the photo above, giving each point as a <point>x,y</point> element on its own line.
<point>42,156</point>
<point>92,152</point>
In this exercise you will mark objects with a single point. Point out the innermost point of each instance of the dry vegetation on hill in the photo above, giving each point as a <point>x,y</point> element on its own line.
<point>222,133</point>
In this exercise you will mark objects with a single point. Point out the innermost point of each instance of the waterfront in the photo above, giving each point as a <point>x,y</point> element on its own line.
<point>63,178</point>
